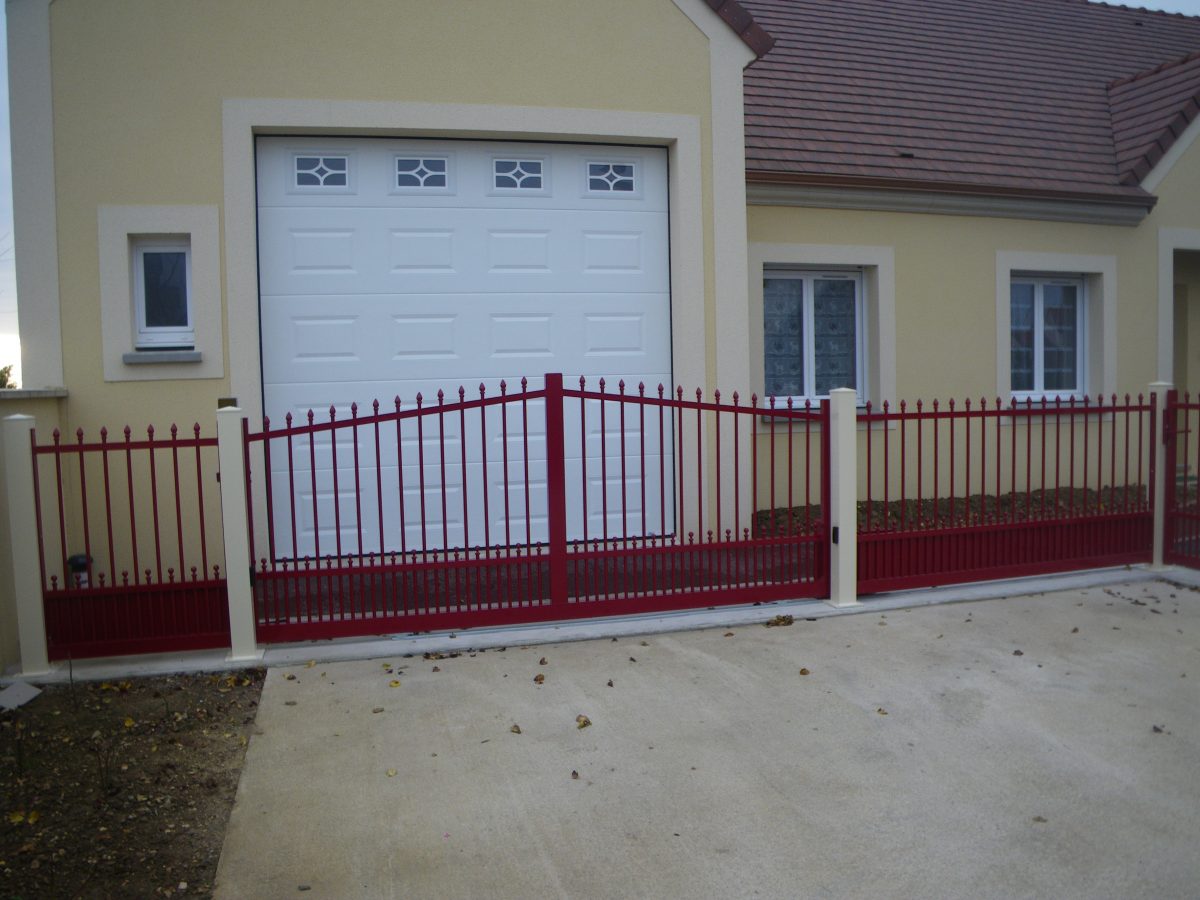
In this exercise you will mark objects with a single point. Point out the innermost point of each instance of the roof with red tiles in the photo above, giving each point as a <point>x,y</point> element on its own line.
<point>1149,113</point>
<point>1047,98</point>
<point>739,19</point>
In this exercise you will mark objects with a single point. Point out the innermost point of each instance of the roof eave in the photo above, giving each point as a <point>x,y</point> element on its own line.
<point>742,22</point>
<point>1127,207</point>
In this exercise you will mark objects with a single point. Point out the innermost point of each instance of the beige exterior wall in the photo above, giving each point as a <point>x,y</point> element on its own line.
<point>139,89</point>
<point>946,295</point>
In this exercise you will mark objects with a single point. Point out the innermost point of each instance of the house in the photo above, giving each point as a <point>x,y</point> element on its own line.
<point>299,205</point>
<point>227,201</point>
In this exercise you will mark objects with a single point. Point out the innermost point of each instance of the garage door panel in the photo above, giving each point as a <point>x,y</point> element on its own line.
<point>469,174</point>
<point>379,287</point>
<point>311,250</point>
<point>462,339</point>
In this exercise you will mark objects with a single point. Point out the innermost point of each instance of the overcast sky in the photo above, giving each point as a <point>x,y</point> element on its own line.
<point>9,348</point>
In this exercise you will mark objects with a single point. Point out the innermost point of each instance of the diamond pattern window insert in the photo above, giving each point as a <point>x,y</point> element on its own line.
<point>812,333</point>
<point>421,172</point>
<point>518,174</point>
<point>614,178</point>
<point>1046,336</point>
<point>322,171</point>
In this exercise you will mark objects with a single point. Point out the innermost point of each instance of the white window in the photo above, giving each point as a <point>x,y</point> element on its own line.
<point>162,294</point>
<point>813,332</point>
<point>1047,335</point>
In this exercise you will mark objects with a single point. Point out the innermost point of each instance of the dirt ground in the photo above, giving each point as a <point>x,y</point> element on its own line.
<point>123,788</point>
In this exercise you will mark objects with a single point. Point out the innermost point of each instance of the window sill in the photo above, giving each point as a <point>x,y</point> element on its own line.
<point>157,357</point>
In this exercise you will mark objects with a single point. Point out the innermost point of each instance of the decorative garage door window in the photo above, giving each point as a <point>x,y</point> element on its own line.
<point>322,171</point>
<point>518,174</point>
<point>420,172</point>
<point>611,177</point>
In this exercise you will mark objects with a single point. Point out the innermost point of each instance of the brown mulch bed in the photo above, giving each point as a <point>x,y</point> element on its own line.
<point>122,788</point>
<point>977,509</point>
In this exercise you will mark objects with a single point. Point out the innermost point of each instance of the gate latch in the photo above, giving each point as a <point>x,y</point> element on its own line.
<point>833,535</point>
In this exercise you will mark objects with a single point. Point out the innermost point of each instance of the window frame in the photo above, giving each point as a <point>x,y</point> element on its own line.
<point>809,275</point>
<point>1039,280</point>
<point>148,337</point>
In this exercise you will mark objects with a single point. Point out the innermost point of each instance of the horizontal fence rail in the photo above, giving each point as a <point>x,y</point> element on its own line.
<point>543,503</point>
<point>959,492</point>
<point>129,543</point>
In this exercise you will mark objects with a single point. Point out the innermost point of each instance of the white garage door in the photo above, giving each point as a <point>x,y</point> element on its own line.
<point>397,267</point>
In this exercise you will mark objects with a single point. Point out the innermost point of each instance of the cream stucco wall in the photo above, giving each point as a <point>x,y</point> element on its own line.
<point>946,289</point>
<point>140,87</point>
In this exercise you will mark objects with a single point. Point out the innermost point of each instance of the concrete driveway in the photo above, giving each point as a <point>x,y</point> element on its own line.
<point>1031,746</point>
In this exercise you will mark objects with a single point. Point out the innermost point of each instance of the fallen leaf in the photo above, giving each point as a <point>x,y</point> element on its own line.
<point>290,677</point>
<point>582,721</point>
<point>33,817</point>
<point>881,711</point>
<point>436,669</point>
<point>631,659</point>
<point>310,664</point>
<point>1018,653</point>
<point>644,644</point>
<point>1039,819</point>
<point>1074,631</point>
<point>539,678</point>
<point>394,683</point>
<point>128,722</point>
<point>779,621</point>
<point>391,773</point>
<point>574,775</point>
<point>289,702</point>
<point>377,709</point>
<point>804,671</point>
<point>16,818</point>
<point>516,729</point>
<point>610,684</point>
<point>542,661</point>
<point>728,634</point>
<point>1158,729</point>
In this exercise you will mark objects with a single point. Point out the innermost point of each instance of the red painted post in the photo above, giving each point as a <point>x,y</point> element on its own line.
<point>556,488</point>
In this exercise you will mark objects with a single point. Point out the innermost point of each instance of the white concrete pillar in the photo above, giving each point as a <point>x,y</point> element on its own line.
<point>1165,478</point>
<point>843,497</point>
<point>26,586</point>
<point>231,459</point>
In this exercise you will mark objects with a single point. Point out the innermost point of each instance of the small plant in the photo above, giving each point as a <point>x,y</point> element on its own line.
<point>104,749</point>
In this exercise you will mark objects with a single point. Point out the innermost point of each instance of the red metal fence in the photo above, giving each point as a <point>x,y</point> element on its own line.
<point>543,504</point>
<point>555,503</point>
<point>1181,539</point>
<point>953,493</point>
<point>130,544</point>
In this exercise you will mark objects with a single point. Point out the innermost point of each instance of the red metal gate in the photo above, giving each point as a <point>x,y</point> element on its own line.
<point>967,493</point>
<point>544,504</point>
<point>1181,537</point>
<point>129,543</point>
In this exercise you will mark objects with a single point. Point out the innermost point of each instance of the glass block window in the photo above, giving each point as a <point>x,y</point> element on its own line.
<point>424,172</point>
<point>812,333</point>
<point>614,178</point>
<point>322,171</point>
<point>162,293</point>
<point>518,174</point>
<point>1046,335</point>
